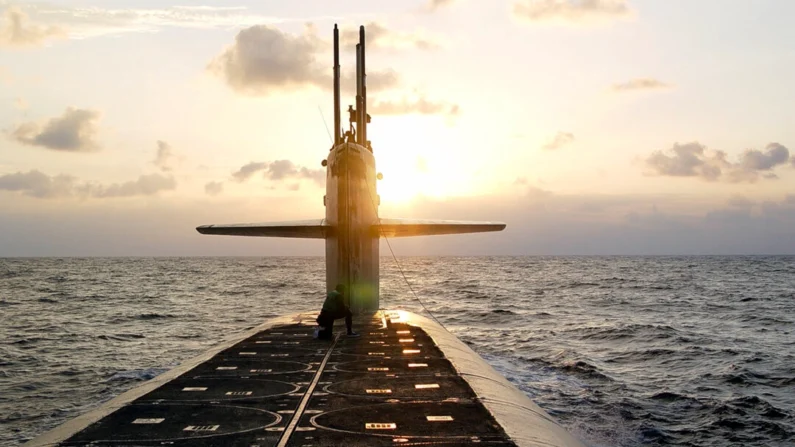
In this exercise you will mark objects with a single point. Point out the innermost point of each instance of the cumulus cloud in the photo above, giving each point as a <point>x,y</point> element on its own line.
<point>695,160</point>
<point>74,131</point>
<point>419,106</point>
<point>279,170</point>
<point>381,37</point>
<point>37,184</point>
<point>560,140</point>
<point>263,59</point>
<point>16,30</point>
<point>163,156</point>
<point>755,163</point>
<point>640,84</point>
<point>571,10</point>
<point>213,188</point>
<point>246,171</point>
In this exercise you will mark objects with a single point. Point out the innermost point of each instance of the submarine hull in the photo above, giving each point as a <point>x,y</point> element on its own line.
<point>405,380</point>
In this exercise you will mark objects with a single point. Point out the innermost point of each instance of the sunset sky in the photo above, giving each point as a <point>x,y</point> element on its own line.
<point>588,126</point>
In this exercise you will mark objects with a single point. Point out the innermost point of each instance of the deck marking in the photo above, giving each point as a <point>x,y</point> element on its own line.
<point>380,426</point>
<point>288,431</point>
<point>411,351</point>
<point>406,340</point>
<point>239,393</point>
<point>148,420</point>
<point>425,386</point>
<point>226,368</point>
<point>201,428</point>
<point>195,388</point>
<point>439,418</point>
<point>418,365</point>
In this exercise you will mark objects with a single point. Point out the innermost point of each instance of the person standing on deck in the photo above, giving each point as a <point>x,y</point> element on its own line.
<point>335,308</point>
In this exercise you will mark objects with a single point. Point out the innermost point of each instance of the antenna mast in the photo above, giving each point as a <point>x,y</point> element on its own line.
<point>337,119</point>
<point>361,92</point>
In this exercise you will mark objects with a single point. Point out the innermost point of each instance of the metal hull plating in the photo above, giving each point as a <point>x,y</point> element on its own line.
<point>334,379</point>
<point>352,255</point>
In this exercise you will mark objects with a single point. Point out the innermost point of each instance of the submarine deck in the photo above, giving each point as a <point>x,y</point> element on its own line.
<point>391,386</point>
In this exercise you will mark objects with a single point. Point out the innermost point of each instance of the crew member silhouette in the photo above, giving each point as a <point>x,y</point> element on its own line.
<point>335,308</point>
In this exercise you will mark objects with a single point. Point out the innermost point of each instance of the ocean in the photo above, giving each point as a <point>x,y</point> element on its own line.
<point>622,351</point>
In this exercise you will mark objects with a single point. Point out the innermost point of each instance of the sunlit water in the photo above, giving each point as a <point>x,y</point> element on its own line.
<point>623,351</point>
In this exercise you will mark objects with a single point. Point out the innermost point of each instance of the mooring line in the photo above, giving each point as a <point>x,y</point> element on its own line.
<point>288,431</point>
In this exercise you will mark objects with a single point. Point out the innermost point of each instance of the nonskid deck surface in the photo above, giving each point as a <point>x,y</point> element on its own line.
<point>391,387</point>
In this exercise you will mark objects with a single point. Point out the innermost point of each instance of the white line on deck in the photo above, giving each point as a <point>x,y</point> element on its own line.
<point>288,431</point>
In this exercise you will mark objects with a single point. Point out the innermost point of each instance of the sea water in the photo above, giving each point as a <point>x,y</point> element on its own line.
<point>622,351</point>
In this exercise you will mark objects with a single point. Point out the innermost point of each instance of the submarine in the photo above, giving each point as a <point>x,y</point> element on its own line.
<point>404,381</point>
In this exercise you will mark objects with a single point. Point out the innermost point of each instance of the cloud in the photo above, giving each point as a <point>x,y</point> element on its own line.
<point>419,106</point>
<point>246,171</point>
<point>755,163</point>
<point>74,131</point>
<point>264,59</point>
<point>640,84</point>
<point>16,30</point>
<point>213,188</point>
<point>94,21</point>
<point>37,184</point>
<point>560,140</point>
<point>279,170</point>
<point>146,185</point>
<point>539,223</point>
<point>380,37</point>
<point>571,10</point>
<point>163,155</point>
<point>695,160</point>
